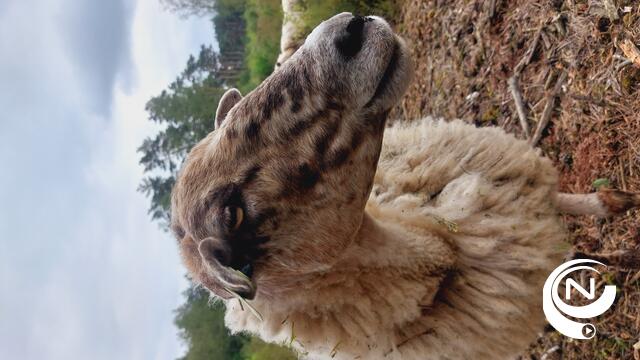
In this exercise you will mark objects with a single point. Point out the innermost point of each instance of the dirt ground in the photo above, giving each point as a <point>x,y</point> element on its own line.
<point>577,68</point>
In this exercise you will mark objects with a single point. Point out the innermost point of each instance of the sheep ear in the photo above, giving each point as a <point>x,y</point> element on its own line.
<point>227,102</point>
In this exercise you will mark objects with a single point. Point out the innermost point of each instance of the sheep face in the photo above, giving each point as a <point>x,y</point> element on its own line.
<point>280,187</point>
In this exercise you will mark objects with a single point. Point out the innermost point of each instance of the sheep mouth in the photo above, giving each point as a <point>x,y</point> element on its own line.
<point>238,278</point>
<point>238,283</point>
<point>238,270</point>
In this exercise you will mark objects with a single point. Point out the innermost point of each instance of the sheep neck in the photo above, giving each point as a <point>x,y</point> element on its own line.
<point>396,268</point>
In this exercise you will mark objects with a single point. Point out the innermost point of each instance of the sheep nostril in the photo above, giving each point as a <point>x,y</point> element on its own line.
<point>220,256</point>
<point>214,251</point>
<point>350,44</point>
<point>356,25</point>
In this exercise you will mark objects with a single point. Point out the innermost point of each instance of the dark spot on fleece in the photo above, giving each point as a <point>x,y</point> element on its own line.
<point>250,175</point>
<point>273,101</point>
<point>337,158</point>
<point>329,133</point>
<point>306,178</point>
<point>300,181</point>
<point>252,130</point>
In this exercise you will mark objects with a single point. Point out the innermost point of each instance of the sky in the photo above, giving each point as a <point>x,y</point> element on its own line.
<point>84,273</point>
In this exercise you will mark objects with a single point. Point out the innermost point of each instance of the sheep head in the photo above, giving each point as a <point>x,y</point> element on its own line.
<point>281,185</point>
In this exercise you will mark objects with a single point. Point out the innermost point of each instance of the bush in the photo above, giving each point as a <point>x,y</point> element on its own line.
<point>263,20</point>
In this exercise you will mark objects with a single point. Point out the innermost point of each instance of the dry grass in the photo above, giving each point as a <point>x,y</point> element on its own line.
<point>466,51</point>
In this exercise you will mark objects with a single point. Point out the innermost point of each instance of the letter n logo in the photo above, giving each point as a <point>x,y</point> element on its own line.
<point>591,294</point>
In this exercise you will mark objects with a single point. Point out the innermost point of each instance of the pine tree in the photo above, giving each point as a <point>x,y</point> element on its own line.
<point>187,110</point>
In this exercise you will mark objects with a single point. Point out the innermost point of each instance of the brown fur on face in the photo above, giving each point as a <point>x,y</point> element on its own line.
<point>296,157</point>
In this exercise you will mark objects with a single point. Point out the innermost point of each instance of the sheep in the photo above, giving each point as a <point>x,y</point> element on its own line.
<point>324,229</point>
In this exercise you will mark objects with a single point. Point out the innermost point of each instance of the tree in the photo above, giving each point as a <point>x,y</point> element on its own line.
<point>201,326</point>
<point>203,7</point>
<point>190,7</point>
<point>187,109</point>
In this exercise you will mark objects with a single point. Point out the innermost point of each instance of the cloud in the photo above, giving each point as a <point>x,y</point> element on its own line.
<point>96,35</point>
<point>83,271</point>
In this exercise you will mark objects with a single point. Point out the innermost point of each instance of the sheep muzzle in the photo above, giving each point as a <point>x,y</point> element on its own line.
<point>235,282</point>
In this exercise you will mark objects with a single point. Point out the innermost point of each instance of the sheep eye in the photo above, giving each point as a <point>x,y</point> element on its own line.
<point>234,217</point>
<point>239,218</point>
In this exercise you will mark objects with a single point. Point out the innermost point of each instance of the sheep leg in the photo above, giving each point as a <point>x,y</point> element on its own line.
<point>604,203</point>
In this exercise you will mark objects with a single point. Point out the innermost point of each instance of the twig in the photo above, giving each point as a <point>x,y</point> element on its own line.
<point>546,354</point>
<point>631,51</point>
<point>507,122</point>
<point>545,40</point>
<point>526,59</point>
<point>514,87</point>
<point>334,351</point>
<point>623,180</point>
<point>559,25</point>
<point>598,102</point>
<point>548,109</point>
<point>492,9</point>
<point>623,64</point>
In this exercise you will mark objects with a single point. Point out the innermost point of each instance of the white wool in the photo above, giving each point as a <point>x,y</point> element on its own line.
<point>478,191</point>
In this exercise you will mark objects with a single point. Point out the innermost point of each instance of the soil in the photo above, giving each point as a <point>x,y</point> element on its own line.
<point>467,50</point>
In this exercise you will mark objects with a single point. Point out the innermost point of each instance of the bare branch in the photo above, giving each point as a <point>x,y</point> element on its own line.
<point>514,87</point>
<point>548,109</point>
